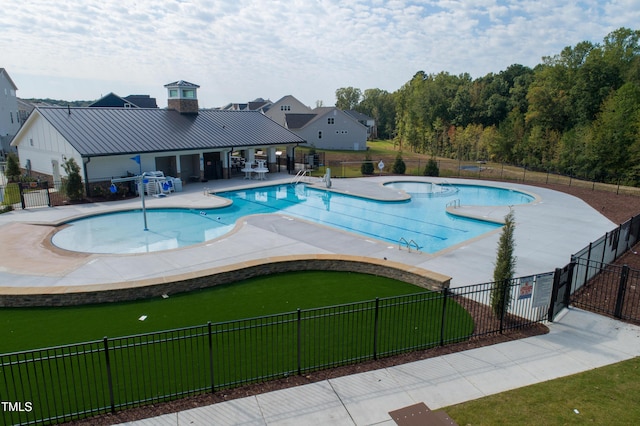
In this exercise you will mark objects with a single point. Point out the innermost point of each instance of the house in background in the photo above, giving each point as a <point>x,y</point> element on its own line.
<point>257,104</point>
<point>131,101</point>
<point>322,127</point>
<point>365,120</point>
<point>9,115</point>
<point>181,141</point>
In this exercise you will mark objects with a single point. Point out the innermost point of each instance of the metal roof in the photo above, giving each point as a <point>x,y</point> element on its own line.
<point>113,131</point>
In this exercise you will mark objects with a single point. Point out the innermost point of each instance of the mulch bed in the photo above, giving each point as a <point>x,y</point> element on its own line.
<point>618,208</point>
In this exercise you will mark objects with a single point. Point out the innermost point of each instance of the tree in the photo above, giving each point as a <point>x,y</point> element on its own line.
<point>12,172</point>
<point>431,169</point>
<point>398,165</point>
<point>504,269</point>
<point>73,183</point>
<point>367,166</point>
<point>347,98</point>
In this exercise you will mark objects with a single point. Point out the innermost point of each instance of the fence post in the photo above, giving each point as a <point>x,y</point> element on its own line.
<point>554,294</point>
<point>445,293</point>
<point>22,202</point>
<point>588,265</point>
<point>211,375</point>
<point>299,342</point>
<point>46,186</point>
<point>622,287</point>
<point>376,324</point>
<point>109,375</point>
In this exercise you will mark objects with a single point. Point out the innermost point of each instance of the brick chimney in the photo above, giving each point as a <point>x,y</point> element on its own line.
<point>182,97</point>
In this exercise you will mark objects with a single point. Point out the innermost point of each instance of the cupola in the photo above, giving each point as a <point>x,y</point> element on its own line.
<point>182,97</point>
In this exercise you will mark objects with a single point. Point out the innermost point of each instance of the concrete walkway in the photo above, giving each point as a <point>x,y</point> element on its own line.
<point>577,342</point>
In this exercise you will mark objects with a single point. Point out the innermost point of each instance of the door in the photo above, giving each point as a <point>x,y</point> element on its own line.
<point>212,165</point>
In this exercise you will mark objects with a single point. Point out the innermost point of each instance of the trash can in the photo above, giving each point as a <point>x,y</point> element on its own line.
<point>177,184</point>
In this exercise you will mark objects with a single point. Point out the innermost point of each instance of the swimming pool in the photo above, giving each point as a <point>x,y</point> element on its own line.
<point>422,219</point>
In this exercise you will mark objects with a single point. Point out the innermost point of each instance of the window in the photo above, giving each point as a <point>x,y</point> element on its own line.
<point>173,93</point>
<point>331,120</point>
<point>31,142</point>
<point>320,134</point>
<point>285,107</point>
<point>188,93</point>
<point>11,113</point>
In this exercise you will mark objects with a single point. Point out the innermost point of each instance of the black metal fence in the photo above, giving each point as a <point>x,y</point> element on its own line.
<point>24,195</point>
<point>65,383</point>
<point>606,250</point>
<point>613,290</point>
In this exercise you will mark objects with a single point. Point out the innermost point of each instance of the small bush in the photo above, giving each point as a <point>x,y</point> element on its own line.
<point>12,172</point>
<point>431,169</point>
<point>399,167</point>
<point>367,167</point>
<point>73,183</point>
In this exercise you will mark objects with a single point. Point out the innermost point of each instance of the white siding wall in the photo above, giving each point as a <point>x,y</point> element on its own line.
<point>41,143</point>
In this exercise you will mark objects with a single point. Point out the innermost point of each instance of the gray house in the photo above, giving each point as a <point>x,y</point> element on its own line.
<point>9,115</point>
<point>182,141</point>
<point>322,127</point>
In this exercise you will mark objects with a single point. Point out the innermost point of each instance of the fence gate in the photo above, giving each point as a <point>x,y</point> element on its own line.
<point>34,194</point>
<point>561,290</point>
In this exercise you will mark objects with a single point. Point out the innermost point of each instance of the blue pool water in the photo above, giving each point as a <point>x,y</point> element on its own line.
<point>422,219</point>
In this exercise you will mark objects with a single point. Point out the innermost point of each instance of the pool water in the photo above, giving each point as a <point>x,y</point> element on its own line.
<point>422,219</point>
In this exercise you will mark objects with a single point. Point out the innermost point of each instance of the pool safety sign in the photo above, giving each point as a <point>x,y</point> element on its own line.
<point>526,288</point>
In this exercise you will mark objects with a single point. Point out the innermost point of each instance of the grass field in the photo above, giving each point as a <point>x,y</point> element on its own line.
<point>339,322</point>
<point>30,328</point>
<point>603,396</point>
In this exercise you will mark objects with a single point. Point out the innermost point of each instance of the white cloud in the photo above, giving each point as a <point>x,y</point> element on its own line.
<point>240,50</point>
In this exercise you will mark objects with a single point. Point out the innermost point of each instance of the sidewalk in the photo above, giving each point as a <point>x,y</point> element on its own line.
<point>578,341</point>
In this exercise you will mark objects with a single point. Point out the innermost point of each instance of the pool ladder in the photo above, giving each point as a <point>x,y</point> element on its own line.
<point>455,204</point>
<point>403,242</point>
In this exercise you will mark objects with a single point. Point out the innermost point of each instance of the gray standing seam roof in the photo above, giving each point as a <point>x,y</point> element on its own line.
<point>97,132</point>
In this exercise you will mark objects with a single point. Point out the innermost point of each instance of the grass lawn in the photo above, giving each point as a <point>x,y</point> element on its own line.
<point>256,335</point>
<point>31,328</point>
<point>603,396</point>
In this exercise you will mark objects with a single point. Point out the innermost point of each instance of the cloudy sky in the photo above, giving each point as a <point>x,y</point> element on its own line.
<point>239,50</point>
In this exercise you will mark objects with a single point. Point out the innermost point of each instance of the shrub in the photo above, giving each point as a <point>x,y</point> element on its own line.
<point>431,169</point>
<point>399,167</point>
<point>73,183</point>
<point>367,166</point>
<point>12,172</point>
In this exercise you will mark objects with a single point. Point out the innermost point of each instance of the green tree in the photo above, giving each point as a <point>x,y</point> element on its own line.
<point>348,98</point>
<point>504,268</point>
<point>12,172</point>
<point>73,182</point>
<point>431,169</point>
<point>367,166</point>
<point>399,167</point>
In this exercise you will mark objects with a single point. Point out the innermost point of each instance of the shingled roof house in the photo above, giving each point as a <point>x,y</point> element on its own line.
<point>322,127</point>
<point>181,141</point>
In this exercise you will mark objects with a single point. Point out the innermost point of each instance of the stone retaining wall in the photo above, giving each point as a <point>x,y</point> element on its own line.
<point>135,290</point>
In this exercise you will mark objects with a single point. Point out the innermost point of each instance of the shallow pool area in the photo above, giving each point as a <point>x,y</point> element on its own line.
<point>423,219</point>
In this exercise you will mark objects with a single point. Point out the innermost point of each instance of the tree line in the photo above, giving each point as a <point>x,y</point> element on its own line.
<point>576,113</point>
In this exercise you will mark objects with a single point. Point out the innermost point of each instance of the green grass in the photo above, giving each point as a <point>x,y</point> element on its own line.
<point>274,340</point>
<point>31,328</point>
<point>603,396</point>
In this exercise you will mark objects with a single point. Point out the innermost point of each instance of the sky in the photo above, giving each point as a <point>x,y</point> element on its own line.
<point>240,50</point>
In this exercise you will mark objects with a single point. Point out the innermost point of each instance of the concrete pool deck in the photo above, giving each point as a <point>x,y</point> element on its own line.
<point>548,232</point>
